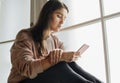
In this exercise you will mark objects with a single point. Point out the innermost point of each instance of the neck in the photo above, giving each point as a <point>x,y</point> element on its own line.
<point>46,34</point>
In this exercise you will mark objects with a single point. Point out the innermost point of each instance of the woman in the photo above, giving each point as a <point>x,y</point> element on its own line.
<point>37,55</point>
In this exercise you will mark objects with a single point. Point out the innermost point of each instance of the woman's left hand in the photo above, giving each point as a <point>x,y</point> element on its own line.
<point>55,55</point>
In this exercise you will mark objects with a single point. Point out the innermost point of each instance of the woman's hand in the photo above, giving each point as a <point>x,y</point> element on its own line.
<point>70,56</point>
<point>55,56</point>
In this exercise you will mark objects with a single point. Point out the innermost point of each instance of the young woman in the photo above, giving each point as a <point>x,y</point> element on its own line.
<point>37,56</point>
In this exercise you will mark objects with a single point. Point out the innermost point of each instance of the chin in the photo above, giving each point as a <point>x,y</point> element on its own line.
<point>56,30</point>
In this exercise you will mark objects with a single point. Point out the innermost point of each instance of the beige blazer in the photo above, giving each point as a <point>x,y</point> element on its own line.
<point>25,59</point>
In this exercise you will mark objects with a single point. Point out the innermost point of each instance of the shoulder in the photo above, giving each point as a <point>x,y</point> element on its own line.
<point>23,39</point>
<point>24,34</point>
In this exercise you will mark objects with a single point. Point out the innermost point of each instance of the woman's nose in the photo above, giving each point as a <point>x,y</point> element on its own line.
<point>62,21</point>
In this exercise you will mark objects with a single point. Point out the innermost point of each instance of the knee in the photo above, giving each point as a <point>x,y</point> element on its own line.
<point>63,63</point>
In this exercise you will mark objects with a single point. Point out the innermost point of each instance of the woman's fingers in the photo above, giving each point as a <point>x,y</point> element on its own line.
<point>74,56</point>
<point>51,56</point>
<point>60,53</point>
<point>55,56</point>
<point>77,54</point>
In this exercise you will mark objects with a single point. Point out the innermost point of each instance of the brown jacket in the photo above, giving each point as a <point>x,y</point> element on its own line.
<point>25,59</point>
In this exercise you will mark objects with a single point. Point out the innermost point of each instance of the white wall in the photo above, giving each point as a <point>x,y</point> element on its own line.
<point>5,64</point>
<point>14,15</point>
<point>92,60</point>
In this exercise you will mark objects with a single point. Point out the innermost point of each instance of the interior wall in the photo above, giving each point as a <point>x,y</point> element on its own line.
<point>14,16</point>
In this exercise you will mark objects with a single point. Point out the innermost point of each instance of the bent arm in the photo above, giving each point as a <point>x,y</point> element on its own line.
<point>23,58</point>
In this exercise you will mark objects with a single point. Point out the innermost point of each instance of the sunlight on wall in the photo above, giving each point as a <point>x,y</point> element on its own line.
<point>92,60</point>
<point>113,32</point>
<point>5,64</point>
<point>81,11</point>
<point>14,15</point>
<point>111,6</point>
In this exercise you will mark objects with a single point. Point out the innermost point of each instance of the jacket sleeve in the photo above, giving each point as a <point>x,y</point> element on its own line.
<point>22,57</point>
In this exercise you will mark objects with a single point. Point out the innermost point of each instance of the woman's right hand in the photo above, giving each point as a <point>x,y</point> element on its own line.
<point>69,56</point>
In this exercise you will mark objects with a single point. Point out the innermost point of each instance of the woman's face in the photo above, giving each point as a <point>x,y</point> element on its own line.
<point>58,18</point>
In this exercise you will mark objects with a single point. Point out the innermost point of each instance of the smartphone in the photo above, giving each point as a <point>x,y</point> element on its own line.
<point>83,48</point>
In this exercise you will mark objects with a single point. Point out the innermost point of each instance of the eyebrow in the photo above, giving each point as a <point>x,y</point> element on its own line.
<point>60,13</point>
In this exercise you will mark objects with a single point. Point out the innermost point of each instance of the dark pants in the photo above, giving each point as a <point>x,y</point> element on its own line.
<point>63,72</point>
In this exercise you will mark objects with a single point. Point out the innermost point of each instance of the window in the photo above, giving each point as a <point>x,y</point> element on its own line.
<point>81,11</point>
<point>5,64</point>
<point>91,35</point>
<point>113,33</point>
<point>111,6</point>
<point>14,16</point>
<point>84,13</point>
<point>84,21</point>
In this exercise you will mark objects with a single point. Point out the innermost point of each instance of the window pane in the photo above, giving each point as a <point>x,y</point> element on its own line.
<point>81,10</point>
<point>113,32</point>
<point>5,64</point>
<point>14,15</point>
<point>111,6</point>
<point>92,59</point>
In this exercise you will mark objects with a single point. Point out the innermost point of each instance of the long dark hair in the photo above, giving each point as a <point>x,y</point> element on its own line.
<point>44,19</point>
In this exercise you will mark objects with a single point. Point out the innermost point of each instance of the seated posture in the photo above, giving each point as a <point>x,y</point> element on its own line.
<point>38,56</point>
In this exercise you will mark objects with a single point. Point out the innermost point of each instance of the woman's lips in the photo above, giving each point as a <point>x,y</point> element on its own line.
<point>59,26</point>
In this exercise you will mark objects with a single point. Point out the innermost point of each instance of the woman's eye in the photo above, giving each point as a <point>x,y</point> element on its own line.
<point>59,16</point>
